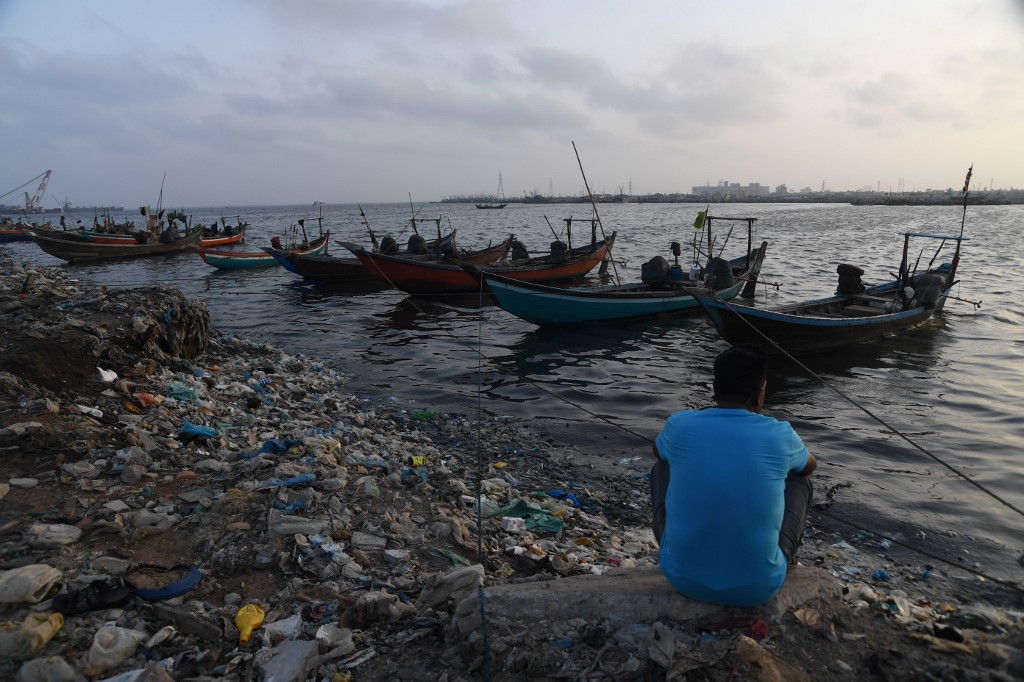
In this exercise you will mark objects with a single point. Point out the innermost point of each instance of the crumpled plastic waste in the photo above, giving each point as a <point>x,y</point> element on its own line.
<point>300,479</point>
<point>49,669</point>
<point>564,495</point>
<point>190,430</point>
<point>27,584</point>
<point>537,519</point>
<point>111,646</point>
<point>25,639</point>
<point>279,446</point>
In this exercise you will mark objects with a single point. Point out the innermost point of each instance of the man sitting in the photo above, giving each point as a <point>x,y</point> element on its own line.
<point>730,490</point>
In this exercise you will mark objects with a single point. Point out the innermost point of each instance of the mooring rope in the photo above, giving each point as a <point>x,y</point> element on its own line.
<point>480,488</point>
<point>869,413</point>
<point>481,357</point>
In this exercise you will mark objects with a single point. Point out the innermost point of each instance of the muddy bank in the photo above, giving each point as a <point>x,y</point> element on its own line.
<point>158,476</point>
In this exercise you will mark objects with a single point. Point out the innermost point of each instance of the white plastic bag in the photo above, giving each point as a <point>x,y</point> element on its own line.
<point>50,669</point>
<point>111,646</point>
<point>27,584</point>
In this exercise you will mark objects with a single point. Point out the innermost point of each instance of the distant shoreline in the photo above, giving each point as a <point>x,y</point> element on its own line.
<point>945,198</point>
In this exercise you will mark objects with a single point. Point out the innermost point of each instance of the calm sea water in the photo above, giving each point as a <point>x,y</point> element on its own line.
<point>955,387</point>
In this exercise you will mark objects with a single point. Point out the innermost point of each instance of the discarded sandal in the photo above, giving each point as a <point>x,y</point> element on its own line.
<point>99,594</point>
<point>156,583</point>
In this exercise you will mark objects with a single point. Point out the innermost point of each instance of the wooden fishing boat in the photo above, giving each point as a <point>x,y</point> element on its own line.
<point>74,248</point>
<point>212,240</point>
<point>856,316</point>
<point>229,234</point>
<point>441,277</point>
<point>113,237</point>
<point>238,260</point>
<point>333,268</point>
<point>13,234</point>
<point>11,231</point>
<point>659,294</point>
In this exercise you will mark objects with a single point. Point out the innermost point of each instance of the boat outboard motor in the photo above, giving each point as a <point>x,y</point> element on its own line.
<point>388,246</point>
<point>449,250</point>
<point>518,250</point>
<point>849,279</point>
<point>655,271</point>
<point>417,244</point>
<point>559,252</point>
<point>928,290</point>
<point>719,274</point>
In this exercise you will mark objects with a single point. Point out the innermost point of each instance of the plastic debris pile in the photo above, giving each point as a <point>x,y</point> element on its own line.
<point>200,506</point>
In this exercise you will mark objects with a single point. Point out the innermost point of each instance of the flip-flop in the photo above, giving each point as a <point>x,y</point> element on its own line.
<point>156,583</point>
<point>99,594</point>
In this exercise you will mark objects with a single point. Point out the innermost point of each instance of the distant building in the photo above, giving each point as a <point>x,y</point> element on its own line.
<point>731,190</point>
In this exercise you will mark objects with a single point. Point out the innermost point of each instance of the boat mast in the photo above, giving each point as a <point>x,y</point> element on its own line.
<point>963,219</point>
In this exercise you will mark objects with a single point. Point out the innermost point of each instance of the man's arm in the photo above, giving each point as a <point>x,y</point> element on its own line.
<point>809,468</point>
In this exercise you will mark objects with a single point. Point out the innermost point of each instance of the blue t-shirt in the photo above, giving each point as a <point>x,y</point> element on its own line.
<point>725,502</point>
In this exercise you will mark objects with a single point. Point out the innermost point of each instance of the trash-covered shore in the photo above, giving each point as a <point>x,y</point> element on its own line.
<point>179,503</point>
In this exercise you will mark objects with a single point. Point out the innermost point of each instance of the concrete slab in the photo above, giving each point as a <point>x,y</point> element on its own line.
<point>639,595</point>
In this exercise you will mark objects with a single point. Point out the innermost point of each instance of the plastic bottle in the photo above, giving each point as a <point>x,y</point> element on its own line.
<point>248,618</point>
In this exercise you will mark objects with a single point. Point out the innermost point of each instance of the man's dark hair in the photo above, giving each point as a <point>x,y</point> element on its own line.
<point>739,371</point>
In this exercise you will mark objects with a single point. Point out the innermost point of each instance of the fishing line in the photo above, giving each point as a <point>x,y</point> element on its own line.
<point>917,550</point>
<point>479,488</point>
<point>481,357</point>
<point>871,414</point>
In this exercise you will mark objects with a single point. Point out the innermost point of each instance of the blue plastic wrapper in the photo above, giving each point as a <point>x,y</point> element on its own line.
<point>278,446</point>
<point>563,495</point>
<point>194,430</point>
<point>881,574</point>
<point>301,479</point>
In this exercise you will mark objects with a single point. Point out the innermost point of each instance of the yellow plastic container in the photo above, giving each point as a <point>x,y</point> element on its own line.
<point>248,618</point>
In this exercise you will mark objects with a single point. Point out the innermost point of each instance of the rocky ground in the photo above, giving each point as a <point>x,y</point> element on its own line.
<point>131,434</point>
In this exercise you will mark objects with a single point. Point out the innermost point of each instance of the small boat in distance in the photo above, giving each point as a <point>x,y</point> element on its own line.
<point>499,198</point>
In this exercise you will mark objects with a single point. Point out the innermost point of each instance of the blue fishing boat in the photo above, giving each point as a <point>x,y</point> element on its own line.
<point>546,305</point>
<point>855,314</point>
<point>664,289</point>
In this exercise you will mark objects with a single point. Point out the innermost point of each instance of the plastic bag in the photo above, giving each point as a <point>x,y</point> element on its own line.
<point>195,430</point>
<point>28,584</point>
<point>52,535</point>
<point>24,639</point>
<point>111,646</point>
<point>50,669</point>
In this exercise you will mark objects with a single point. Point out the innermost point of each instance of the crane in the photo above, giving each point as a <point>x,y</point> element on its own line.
<point>32,203</point>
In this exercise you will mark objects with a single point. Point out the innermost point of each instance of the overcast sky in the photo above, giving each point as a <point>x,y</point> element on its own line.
<point>276,102</point>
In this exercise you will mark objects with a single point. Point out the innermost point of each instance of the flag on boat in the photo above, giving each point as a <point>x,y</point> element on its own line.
<point>702,216</point>
<point>144,209</point>
<point>968,180</point>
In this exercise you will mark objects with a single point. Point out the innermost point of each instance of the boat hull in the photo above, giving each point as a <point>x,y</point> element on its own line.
<point>74,248</point>
<point>243,260</point>
<point>223,240</point>
<point>545,305</point>
<point>778,330</point>
<point>15,235</point>
<point>438,277</point>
